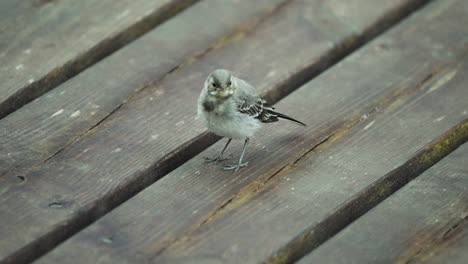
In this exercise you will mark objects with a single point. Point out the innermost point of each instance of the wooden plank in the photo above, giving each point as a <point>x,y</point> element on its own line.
<point>298,176</point>
<point>137,145</point>
<point>424,222</point>
<point>44,127</point>
<point>45,42</point>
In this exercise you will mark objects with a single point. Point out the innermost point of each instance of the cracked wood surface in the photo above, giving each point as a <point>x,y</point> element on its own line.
<point>43,43</point>
<point>424,222</point>
<point>140,141</point>
<point>367,136</point>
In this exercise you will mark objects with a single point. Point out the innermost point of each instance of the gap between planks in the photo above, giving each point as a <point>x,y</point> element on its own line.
<point>298,79</point>
<point>96,53</point>
<point>372,195</point>
<point>195,146</point>
<point>240,32</point>
<point>366,199</point>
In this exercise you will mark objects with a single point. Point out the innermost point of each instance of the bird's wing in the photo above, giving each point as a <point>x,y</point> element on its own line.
<point>256,107</point>
<point>249,103</point>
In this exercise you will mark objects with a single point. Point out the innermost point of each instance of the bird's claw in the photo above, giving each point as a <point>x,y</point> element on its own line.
<point>234,167</point>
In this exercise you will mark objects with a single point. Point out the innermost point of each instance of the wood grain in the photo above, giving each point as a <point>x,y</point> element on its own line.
<point>424,222</point>
<point>43,43</point>
<point>156,131</point>
<point>362,127</point>
<point>44,127</point>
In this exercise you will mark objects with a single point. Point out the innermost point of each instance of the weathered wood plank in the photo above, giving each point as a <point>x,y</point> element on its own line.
<point>424,222</point>
<point>44,127</point>
<point>362,127</point>
<point>138,145</point>
<point>43,42</point>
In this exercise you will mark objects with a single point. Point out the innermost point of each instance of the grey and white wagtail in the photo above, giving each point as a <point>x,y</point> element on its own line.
<point>230,107</point>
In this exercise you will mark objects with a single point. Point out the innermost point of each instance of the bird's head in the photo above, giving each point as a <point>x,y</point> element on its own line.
<point>219,84</point>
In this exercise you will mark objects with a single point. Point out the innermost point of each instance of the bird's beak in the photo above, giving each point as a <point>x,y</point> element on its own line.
<point>222,93</point>
<point>213,93</point>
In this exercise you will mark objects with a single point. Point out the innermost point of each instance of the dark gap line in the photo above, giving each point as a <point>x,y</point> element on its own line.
<point>101,50</point>
<point>191,148</point>
<point>371,196</point>
<point>195,55</point>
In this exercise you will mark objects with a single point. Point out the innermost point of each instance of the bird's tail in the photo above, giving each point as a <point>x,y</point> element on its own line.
<point>287,117</point>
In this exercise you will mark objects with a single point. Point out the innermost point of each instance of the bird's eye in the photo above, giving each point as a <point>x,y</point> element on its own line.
<point>214,85</point>
<point>229,83</point>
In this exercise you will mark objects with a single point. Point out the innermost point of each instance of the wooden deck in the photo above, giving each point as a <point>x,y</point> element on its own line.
<point>101,155</point>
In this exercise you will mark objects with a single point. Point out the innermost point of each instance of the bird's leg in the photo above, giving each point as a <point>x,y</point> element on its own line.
<point>220,156</point>
<point>236,167</point>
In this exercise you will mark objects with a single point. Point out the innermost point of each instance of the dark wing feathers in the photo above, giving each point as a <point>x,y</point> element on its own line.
<point>258,109</point>
<point>288,118</point>
<point>255,108</point>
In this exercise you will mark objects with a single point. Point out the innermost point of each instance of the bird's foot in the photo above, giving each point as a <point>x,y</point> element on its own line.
<point>234,167</point>
<point>217,159</point>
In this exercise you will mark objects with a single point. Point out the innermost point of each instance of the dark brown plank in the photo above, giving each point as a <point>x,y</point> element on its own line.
<point>145,138</point>
<point>44,127</point>
<point>45,42</point>
<point>424,222</point>
<point>362,127</point>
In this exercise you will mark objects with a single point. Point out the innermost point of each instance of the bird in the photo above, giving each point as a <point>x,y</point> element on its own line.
<point>230,107</point>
